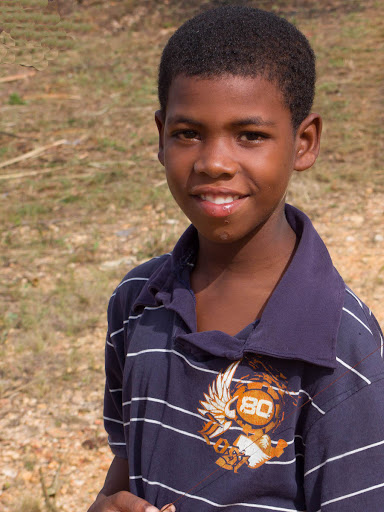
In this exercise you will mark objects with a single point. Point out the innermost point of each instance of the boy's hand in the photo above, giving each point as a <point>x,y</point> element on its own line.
<point>125,501</point>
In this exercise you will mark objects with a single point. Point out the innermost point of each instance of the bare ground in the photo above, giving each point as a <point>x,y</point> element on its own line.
<point>78,216</point>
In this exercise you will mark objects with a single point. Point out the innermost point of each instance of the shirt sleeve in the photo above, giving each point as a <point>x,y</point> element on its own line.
<point>114,368</point>
<point>376,330</point>
<point>344,455</point>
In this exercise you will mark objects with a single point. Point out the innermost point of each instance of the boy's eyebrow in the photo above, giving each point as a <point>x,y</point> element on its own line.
<point>183,120</point>
<point>256,121</point>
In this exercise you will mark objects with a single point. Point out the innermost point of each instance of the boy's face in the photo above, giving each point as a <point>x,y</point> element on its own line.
<point>229,149</point>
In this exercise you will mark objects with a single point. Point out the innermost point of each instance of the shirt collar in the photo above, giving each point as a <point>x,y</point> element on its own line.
<point>170,281</point>
<point>302,316</point>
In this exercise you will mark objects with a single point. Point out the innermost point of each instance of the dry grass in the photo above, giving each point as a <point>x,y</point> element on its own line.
<point>85,212</point>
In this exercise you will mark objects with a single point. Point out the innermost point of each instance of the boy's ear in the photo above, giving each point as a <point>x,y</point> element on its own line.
<point>159,118</point>
<point>308,142</point>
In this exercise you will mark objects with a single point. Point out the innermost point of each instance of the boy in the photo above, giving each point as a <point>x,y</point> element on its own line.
<point>242,374</point>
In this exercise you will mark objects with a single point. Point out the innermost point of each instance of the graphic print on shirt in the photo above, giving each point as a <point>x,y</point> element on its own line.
<point>256,403</point>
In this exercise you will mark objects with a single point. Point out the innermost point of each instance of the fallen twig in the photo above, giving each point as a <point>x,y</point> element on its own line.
<point>16,390</point>
<point>13,78</point>
<point>26,174</point>
<point>33,153</point>
<point>160,183</point>
<point>53,96</point>
<point>9,134</point>
<point>50,504</point>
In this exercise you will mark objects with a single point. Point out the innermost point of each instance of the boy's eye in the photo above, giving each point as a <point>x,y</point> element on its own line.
<point>186,134</point>
<point>251,137</point>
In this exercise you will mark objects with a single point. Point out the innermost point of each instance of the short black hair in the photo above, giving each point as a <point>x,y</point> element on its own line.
<point>242,41</point>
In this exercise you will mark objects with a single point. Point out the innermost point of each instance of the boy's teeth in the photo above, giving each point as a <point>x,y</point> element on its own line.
<point>219,199</point>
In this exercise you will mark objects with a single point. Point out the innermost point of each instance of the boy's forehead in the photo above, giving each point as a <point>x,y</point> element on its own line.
<point>234,92</point>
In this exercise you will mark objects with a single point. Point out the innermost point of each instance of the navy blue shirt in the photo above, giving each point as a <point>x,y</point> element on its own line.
<point>288,415</point>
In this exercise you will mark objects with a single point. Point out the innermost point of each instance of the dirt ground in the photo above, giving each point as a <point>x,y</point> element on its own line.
<point>92,202</point>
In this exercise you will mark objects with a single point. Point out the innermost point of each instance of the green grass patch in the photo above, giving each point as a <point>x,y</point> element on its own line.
<point>106,143</point>
<point>15,99</point>
<point>28,212</point>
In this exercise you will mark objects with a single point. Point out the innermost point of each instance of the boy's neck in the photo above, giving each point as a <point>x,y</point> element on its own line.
<point>233,282</point>
<point>269,250</point>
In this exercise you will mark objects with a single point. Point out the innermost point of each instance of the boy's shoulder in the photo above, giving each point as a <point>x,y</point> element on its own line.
<point>155,272</point>
<point>358,323</point>
<point>145,270</point>
<point>135,280</point>
<point>358,356</point>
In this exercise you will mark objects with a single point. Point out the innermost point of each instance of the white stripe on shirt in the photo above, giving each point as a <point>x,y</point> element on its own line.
<point>115,332</point>
<point>157,400</point>
<point>200,498</point>
<point>134,279</point>
<point>131,279</point>
<point>165,350</point>
<point>353,370</point>
<point>114,421</point>
<point>133,317</point>
<point>357,318</point>
<point>354,296</point>
<point>200,438</point>
<point>115,444</point>
<point>149,308</point>
<point>362,491</point>
<point>312,402</point>
<point>164,425</point>
<point>185,411</point>
<point>342,455</point>
<point>284,462</point>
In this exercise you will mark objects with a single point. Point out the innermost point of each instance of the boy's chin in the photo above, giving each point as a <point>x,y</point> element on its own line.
<point>224,236</point>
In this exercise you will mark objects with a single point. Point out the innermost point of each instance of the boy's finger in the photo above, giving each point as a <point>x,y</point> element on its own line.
<point>168,508</point>
<point>128,502</point>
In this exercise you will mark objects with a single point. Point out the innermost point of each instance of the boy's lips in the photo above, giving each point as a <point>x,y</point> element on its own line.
<point>219,199</point>
<point>213,194</point>
<point>217,203</point>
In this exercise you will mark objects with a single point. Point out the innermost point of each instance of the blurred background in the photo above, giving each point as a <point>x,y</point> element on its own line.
<point>84,199</point>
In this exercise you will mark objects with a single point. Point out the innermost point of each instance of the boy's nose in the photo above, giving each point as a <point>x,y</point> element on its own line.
<point>215,160</point>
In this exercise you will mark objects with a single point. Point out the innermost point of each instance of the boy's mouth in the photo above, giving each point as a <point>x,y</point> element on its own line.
<point>219,199</point>
<point>219,204</point>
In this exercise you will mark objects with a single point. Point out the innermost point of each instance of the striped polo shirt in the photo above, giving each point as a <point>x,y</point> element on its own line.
<point>288,415</point>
